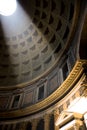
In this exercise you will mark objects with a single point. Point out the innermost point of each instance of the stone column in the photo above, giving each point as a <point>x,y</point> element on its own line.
<point>34,124</point>
<point>56,115</point>
<point>46,122</point>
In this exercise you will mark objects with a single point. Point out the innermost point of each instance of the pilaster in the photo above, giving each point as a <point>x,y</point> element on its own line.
<point>34,124</point>
<point>56,115</point>
<point>46,122</point>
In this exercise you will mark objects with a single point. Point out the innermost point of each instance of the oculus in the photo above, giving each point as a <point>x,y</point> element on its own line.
<point>7,7</point>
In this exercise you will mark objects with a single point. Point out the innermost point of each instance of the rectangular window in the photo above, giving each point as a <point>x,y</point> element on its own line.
<point>41,92</point>
<point>15,101</point>
<point>65,71</point>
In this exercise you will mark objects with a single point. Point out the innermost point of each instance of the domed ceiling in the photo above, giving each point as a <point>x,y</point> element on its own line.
<point>32,38</point>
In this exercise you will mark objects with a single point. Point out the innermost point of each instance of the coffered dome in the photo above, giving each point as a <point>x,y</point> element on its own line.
<point>33,39</point>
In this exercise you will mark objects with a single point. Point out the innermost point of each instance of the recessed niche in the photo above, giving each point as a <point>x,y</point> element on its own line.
<point>51,20</point>
<point>35,33</point>
<point>31,27</point>
<point>53,5</point>
<point>6,55</point>
<point>20,36</point>
<point>62,8</point>
<point>36,57</point>
<point>37,13</point>
<point>45,49</point>
<point>24,52</point>
<point>22,44</point>
<point>33,48</point>
<point>46,31</point>
<point>3,76</point>
<point>71,11</point>
<point>4,65</point>
<point>58,48</point>
<point>15,46</point>
<point>43,15</point>
<point>14,75</point>
<point>26,33</point>
<point>15,54</point>
<point>59,25</point>
<point>48,60</point>
<point>38,3</point>
<point>35,20</point>
<point>40,25</point>
<point>66,33</point>
<point>53,39</point>
<point>14,38</point>
<point>40,40</point>
<point>45,3</point>
<point>26,73</point>
<point>37,68</point>
<point>29,39</point>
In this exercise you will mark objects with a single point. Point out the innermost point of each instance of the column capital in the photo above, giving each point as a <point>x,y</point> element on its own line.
<point>46,116</point>
<point>84,86</point>
<point>56,113</point>
<point>84,83</point>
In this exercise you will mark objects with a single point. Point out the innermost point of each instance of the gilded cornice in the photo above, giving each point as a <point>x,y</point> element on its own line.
<point>64,88</point>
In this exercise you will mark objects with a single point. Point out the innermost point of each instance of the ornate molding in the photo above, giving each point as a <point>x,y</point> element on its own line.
<point>65,87</point>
